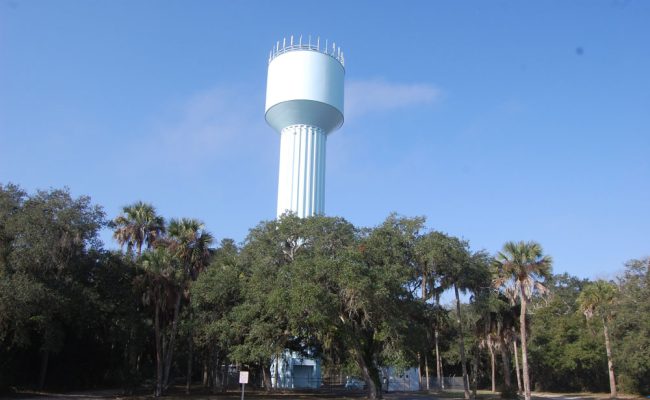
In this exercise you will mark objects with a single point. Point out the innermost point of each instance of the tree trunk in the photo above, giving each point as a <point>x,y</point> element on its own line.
<point>172,336</point>
<point>461,345</point>
<point>370,374</point>
<point>45,359</point>
<point>438,363</point>
<point>610,364</point>
<point>505,358</point>
<point>217,382</point>
<point>419,371</point>
<point>475,373</point>
<point>159,353</point>
<point>277,371</point>
<point>386,381</point>
<point>426,350</point>
<point>426,369</point>
<point>424,286</point>
<point>524,343</point>
<point>439,373</point>
<point>224,375</point>
<point>492,367</point>
<point>190,345</point>
<point>266,376</point>
<point>128,356</point>
<point>205,373</point>
<point>514,343</point>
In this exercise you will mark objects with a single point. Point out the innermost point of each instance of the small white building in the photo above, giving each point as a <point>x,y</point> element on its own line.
<point>400,380</point>
<point>293,371</point>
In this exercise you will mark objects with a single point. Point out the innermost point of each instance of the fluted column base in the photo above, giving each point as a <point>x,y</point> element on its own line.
<point>301,185</point>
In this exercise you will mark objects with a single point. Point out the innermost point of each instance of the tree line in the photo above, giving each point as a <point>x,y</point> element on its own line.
<point>173,304</point>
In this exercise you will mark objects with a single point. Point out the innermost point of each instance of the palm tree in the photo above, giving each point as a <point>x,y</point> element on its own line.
<point>429,252</point>
<point>464,272</point>
<point>486,333</point>
<point>596,299</point>
<point>161,284</point>
<point>190,242</point>
<point>523,263</point>
<point>506,329</point>
<point>138,225</point>
<point>510,293</point>
<point>516,353</point>
<point>493,331</point>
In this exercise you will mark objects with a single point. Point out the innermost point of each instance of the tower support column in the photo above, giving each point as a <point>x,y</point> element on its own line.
<point>301,184</point>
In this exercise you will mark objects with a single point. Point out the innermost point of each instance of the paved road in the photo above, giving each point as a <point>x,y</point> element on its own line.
<point>116,395</point>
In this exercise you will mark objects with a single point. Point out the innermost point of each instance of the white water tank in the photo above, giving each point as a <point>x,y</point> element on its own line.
<point>304,103</point>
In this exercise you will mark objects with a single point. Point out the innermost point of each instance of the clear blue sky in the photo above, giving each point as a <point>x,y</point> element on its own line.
<point>500,120</point>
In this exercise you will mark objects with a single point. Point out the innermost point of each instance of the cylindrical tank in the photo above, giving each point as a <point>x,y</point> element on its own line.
<point>304,103</point>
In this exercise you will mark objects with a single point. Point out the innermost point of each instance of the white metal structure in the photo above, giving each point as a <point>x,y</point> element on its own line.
<point>304,103</point>
<point>293,371</point>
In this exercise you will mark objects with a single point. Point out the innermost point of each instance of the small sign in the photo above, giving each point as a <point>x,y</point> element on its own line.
<point>243,376</point>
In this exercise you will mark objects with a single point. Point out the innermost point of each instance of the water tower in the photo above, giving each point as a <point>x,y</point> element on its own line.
<point>304,103</point>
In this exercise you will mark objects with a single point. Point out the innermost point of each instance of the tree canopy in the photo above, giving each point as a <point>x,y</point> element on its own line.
<point>174,303</point>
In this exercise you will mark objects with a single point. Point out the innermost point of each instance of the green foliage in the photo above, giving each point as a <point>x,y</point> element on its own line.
<point>522,267</point>
<point>632,328</point>
<point>319,283</point>
<point>565,353</point>
<point>168,268</point>
<point>190,244</point>
<point>46,240</point>
<point>214,294</point>
<point>51,293</point>
<point>597,299</point>
<point>359,298</point>
<point>136,226</point>
<point>518,271</point>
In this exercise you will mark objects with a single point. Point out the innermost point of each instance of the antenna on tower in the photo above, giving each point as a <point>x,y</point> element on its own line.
<point>294,42</point>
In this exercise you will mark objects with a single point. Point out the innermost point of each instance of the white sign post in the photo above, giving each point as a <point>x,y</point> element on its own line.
<point>243,379</point>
